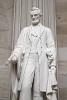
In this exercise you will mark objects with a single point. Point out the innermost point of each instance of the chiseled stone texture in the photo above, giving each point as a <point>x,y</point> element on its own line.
<point>62,94</point>
<point>6,25</point>
<point>61,12</point>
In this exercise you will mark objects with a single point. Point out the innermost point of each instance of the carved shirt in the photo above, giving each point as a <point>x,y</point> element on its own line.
<point>35,31</point>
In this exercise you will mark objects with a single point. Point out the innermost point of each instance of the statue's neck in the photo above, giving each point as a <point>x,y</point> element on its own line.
<point>34,25</point>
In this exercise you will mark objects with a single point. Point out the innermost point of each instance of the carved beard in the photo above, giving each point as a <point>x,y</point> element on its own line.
<point>35,21</point>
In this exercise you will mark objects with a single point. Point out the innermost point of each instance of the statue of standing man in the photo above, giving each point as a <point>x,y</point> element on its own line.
<point>34,62</point>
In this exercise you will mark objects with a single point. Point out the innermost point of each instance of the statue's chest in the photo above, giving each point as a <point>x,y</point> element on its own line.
<point>35,31</point>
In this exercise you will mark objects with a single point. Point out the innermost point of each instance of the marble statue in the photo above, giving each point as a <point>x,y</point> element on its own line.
<point>34,62</point>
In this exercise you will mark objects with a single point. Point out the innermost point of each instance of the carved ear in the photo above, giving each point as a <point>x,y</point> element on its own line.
<point>40,14</point>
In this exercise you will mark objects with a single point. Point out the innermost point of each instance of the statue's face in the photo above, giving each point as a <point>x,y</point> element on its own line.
<point>35,18</point>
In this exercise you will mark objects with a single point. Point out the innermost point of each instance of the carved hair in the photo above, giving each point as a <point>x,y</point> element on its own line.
<point>38,11</point>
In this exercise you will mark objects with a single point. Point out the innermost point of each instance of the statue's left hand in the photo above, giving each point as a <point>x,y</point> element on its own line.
<point>53,69</point>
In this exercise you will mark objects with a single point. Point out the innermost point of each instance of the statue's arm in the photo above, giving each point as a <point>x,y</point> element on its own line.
<point>18,49</point>
<point>51,50</point>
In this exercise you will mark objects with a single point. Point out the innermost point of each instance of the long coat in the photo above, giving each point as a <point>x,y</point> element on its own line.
<point>47,57</point>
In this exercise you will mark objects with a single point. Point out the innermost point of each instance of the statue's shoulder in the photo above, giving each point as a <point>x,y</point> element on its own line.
<point>48,31</point>
<point>46,28</point>
<point>25,30</point>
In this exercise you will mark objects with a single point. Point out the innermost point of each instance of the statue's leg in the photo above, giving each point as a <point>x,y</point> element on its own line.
<point>27,81</point>
<point>37,95</point>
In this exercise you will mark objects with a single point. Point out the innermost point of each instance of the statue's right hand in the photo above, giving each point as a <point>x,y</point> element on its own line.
<point>12,59</point>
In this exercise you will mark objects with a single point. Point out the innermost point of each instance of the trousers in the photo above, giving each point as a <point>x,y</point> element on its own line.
<point>31,75</point>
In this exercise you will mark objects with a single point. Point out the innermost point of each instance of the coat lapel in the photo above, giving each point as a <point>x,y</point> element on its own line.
<point>42,29</point>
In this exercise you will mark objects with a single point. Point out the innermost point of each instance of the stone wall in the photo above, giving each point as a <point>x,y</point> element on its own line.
<point>6,25</point>
<point>61,12</point>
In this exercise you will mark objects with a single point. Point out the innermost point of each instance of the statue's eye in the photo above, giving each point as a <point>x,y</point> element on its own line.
<point>31,15</point>
<point>34,15</point>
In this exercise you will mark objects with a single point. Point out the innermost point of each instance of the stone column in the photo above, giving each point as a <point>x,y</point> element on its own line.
<point>16,21</point>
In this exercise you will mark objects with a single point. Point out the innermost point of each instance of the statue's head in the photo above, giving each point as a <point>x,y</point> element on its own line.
<point>35,15</point>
